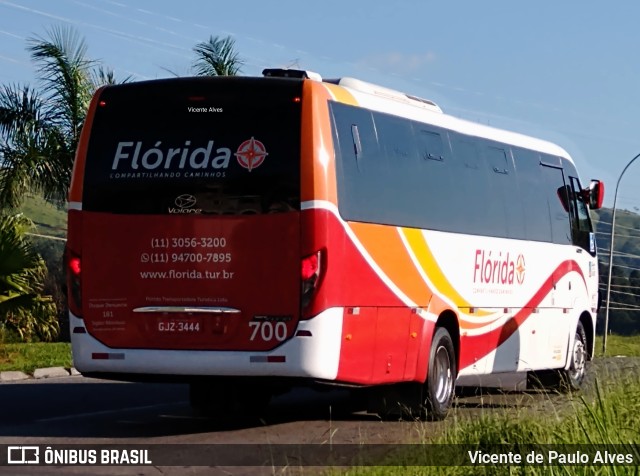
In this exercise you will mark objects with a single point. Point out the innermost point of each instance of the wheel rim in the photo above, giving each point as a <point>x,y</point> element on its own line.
<point>578,360</point>
<point>443,378</point>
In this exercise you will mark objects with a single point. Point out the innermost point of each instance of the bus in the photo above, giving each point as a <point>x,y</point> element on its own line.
<point>246,235</point>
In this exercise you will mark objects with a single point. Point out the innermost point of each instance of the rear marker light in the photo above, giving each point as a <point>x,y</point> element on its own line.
<point>107,356</point>
<point>267,359</point>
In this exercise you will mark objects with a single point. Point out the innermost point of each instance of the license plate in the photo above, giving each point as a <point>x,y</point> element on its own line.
<point>179,326</point>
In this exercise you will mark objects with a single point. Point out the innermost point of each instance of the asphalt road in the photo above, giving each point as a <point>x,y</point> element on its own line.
<point>77,410</point>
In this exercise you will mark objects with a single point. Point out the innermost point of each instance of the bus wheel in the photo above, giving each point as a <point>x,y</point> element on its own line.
<point>565,380</point>
<point>439,387</point>
<point>573,377</point>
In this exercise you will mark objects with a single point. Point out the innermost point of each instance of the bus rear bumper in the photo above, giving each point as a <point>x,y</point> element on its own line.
<point>313,353</point>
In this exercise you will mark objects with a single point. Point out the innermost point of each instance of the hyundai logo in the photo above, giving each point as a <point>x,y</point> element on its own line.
<point>185,201</point>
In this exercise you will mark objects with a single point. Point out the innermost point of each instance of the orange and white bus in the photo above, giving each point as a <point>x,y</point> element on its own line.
<point>246,235</point>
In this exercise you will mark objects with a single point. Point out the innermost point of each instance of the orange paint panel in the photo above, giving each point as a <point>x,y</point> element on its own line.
<point>431,268</point>
<point>77,175</point>
<point>386,248</point>
<point>318,164</point>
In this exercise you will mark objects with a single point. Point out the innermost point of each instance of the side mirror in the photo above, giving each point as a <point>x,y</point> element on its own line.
<point>564,193</point>
<point>596,194</point>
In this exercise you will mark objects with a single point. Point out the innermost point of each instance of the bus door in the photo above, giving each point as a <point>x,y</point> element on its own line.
<point>553,314</point>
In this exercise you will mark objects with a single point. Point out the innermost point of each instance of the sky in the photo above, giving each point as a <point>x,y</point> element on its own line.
<point>567,72</point>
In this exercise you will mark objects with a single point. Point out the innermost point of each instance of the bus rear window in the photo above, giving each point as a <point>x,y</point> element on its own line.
<point>195,146</point>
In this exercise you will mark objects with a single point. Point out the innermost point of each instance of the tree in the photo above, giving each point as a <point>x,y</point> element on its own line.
<point>40,130</point>
<point>39,133</point>
<point>217,57</point>
<point>22,271</point>
<point>31,151</point>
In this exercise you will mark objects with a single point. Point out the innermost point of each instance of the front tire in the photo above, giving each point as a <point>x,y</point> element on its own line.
<point>441,378</point>
<point>573,377</point>
<point>565,380</point>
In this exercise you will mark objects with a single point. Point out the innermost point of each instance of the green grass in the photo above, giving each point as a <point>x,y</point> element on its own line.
<point>620,345</point>
<point>606,413</point>
<point>49,220</point>
<point>28,357</point>
<point>610,416</point>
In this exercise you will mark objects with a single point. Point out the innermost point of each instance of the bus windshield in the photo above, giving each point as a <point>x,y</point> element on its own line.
<point>225,146</point>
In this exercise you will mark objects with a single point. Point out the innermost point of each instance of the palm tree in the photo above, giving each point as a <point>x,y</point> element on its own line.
<point>31,150</point>
<point>22,309</point>
<point>39,133</point>
<point>40,130</point>
<point>217,57</point>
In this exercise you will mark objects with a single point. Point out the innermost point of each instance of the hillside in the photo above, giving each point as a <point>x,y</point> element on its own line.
<point>624,316</point>
<point>49,220</point>
<point>49,237</point>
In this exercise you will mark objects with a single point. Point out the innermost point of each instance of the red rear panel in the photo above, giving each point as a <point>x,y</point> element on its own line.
<point>190,227</point>
<point>178,282</point>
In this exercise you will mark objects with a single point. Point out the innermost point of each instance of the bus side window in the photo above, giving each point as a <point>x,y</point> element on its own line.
<point>564,193</point>
<point>580,221</point>
<point>484,210</point>
<point>504,189</point>
<point>361,166</point>
<point>430,144</point>
<point>439,202</point>
<point>553,187</point>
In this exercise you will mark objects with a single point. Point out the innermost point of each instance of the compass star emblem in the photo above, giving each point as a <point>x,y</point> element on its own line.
<point>251,154</point>
<point>520,269</point>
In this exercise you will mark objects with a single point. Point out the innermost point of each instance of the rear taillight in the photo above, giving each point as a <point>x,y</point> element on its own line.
<point>74,266</point>
<point>310,270</point>
<point>74,272</point>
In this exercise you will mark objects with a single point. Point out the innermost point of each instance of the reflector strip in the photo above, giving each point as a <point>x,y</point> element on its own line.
<point>107,356</point>
<point>255,359</point>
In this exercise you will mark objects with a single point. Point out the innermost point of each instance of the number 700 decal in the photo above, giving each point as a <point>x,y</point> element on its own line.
<point>267,330</point>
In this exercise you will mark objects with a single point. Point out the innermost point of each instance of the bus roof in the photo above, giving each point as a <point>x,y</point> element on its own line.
<point>389,101</point>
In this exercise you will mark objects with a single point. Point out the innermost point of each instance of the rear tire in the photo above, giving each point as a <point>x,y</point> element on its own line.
<point>439,387</point>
